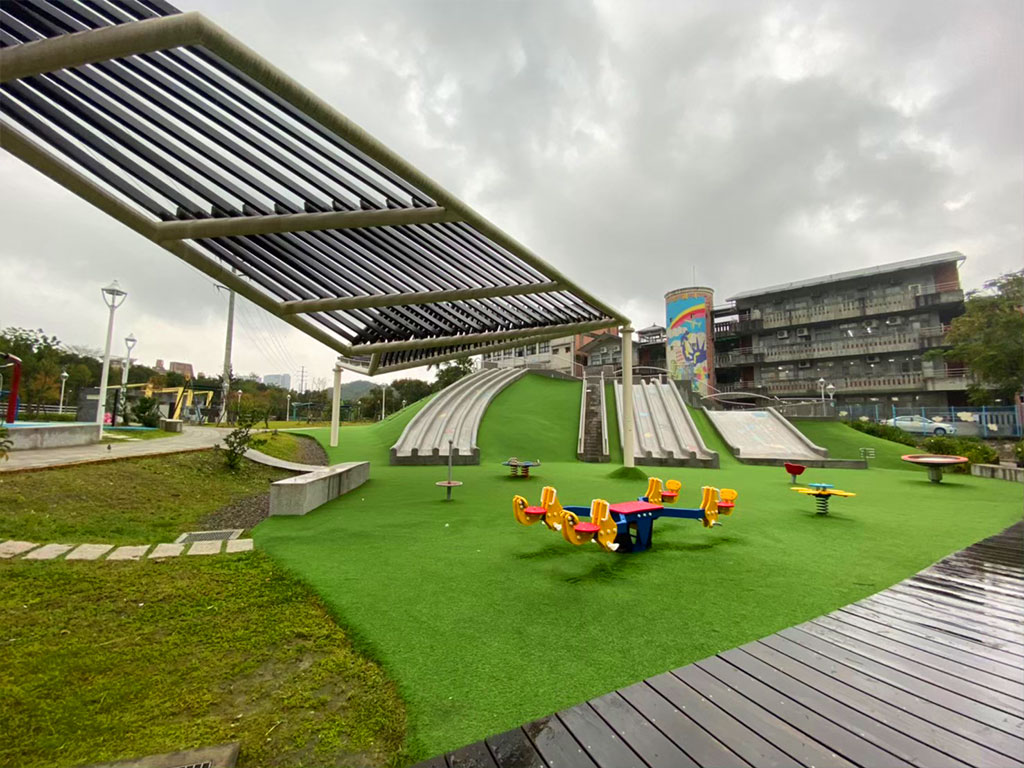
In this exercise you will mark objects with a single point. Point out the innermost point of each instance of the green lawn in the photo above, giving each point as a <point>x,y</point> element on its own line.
<point>485,624</point>
<point>133,501</point>
<point>127,435</point>
<point>282,445</point>
<point>845,442</point>
<point>108,661</point>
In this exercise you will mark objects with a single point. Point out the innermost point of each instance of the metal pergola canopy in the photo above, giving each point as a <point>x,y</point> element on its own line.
<point>167,123</point>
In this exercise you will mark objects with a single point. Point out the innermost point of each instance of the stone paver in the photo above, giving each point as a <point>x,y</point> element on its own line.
<point>13,548</point>
<point>89,551</point>
<point>205,548</point>
<point>129,552</point>
<point>166,550</point>
<point>47,552</point>
<point>238,545</point>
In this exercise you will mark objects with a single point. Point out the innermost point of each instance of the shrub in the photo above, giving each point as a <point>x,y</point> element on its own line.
<point>5,443</point>
<point>146,411</point>
<point>884,431</point>
<point>1018,453</point>
<point>47,417</point>
<point>240,440</point>
<point>969,447</point>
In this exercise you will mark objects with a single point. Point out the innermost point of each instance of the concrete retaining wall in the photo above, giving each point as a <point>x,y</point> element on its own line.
<point>29,436</point>
<point>1013,474</point>
<point>304,493</point>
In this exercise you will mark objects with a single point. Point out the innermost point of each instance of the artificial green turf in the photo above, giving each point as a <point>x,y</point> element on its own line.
<point>485,624</point>
<point>845,442</point>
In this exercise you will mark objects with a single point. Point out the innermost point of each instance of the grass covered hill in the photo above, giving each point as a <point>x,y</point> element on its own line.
<point>485,624</point>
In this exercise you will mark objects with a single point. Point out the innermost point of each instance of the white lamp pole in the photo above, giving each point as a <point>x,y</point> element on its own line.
<point>129,344</point>
<point>821,387</point>
<point>335,405</point>
<point>63,381</point>
<point>113,297</point>
<point>831,389</point>
<point>383,401</point>
<point>627,397</point>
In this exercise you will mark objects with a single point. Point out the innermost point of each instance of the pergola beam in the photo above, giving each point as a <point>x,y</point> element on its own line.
<point>424,297</point>
<point>195,229</point>
<point>518,334</point>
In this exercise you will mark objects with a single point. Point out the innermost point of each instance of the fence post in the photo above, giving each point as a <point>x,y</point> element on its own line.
<point>984,422</point>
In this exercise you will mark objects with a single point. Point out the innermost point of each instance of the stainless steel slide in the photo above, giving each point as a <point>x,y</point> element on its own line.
<point>454,415</point>
<point>764,435</point>
<point>664,433</point>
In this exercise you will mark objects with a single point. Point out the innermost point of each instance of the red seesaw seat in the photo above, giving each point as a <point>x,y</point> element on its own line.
<point>587,528</point>
<point>537,511</point>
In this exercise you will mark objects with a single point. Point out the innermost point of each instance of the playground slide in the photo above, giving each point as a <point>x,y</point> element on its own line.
<point>664,433</point>
<point>764,437</point>
<point>454,415</point>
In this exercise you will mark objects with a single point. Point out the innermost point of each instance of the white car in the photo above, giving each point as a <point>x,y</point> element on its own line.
<point>920,425</point>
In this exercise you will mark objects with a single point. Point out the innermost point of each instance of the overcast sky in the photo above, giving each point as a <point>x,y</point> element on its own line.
<point>635,146</point>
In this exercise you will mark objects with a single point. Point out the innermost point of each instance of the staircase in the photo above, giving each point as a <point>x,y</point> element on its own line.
<point>593,450</point>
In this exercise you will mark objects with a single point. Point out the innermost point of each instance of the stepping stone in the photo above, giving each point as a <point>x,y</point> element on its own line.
<point>13,548</point>
<point>205,548</point>
<point>238,545</point>
<point>166,550</point>
<point>128,553</point>
<point>89,551</point>
<point>47,552</point>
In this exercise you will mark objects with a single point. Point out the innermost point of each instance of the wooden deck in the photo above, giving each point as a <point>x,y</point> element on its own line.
<point>929,672</point>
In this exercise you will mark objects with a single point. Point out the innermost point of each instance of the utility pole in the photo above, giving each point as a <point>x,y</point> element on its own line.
<point>302,379</point>
<point>226,386</point>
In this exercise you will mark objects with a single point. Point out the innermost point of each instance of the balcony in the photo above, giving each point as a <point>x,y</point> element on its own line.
<point>875,344</point>
<point>940,380</point>
<point>828,311</point>
<point>741,356</point>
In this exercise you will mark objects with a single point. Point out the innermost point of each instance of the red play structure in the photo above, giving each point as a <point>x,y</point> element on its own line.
<point>795,470</point>
<point>12,395</point>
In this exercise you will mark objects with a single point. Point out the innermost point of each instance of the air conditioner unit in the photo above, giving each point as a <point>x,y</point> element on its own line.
<point>873,358</point>
<point>894,321</point>
<point>782,334</point>
<point>804,364</point>
<point>870,323</point>
<point>803,332</point>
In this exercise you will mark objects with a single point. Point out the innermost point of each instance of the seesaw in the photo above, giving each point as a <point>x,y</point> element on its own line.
<point>623,527</point>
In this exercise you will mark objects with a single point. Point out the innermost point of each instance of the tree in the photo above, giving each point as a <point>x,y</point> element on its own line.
<point>989,338</point>
<point>411,390</point>
<point>451,372</point>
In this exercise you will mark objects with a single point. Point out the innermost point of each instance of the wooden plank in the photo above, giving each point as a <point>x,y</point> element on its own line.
<point>599,740</point>
<point>556,745</point>
<point>964,597</point>
<point>747,714</point>
<point>962,688</point>
<point>999,689</point>
<point>1010,662</point>
<point>653,747</point>
<point>979,739</point>
<point>922,741</point>
<point>474,755</point>
<point>973,590</point>
<point>999,637</point>
<point>988,716</point>
<point>722,727</point>
<point>953,569</point>
<point>512,749</point>
<point>943,602</point>
<point>901,747</point>
<point>704,748</point>
<point>845,743</point>
<point>964,559</point>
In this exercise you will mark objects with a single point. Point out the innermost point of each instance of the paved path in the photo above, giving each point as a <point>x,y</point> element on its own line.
<point>191,439</point>
<point>929,672</point>
<point>28,550</point>
<point>272,461</point>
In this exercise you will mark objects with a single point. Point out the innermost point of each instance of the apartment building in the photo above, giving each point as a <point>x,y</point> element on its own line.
<point>865,332</point>
<point>555,355</point>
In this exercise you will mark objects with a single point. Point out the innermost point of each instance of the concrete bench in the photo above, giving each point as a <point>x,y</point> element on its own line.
<point>303,493</point>
<point>171,425</point>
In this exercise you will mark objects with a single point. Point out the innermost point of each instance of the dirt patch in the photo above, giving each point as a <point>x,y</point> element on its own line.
<point>244,513</point>
<point>310,451</point>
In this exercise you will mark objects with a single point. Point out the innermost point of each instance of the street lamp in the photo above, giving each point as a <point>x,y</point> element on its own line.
<point>113,297</point>
<point>383,401</point>
<point>821,387</point>
<point>129,344</point>
<point>63,381</point>
<point>831,389</point>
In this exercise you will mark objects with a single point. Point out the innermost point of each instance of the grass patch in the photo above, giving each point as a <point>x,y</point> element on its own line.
<point>138,501</point>
<point>845,442</point>
<point>127,435</point>
<point>108,661</point>
<point>457,601</point>
<point>281,445</point>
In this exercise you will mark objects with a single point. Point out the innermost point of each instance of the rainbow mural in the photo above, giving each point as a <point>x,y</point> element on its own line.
<point>686,323</point>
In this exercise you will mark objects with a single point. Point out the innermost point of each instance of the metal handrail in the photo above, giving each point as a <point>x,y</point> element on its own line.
<point>583,417</point>
<point>604,421</point>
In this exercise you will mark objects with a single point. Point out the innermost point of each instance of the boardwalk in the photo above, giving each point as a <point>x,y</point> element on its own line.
<point>929,672</point>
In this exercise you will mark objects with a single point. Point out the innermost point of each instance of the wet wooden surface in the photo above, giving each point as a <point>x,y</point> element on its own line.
<point>929,672</point>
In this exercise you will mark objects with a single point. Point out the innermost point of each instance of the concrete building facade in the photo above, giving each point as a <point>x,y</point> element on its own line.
<point>865,332</point>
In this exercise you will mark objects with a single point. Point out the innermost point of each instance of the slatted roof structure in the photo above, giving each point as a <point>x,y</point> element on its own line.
<point>170,125</point>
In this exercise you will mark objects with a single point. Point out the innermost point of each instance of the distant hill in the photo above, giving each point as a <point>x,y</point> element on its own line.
<point>356,389</point>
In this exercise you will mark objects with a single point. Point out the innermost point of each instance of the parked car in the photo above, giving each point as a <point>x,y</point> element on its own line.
<point>920,425</point>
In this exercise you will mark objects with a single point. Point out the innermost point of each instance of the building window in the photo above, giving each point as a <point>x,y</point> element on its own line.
<point>544,347</point>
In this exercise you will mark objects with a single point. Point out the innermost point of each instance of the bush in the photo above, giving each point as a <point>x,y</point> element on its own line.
<point>884,431</point>
<point>146,411</point>
<point>969,447</point>
<point>47,417</point>
<point>1018,453</point>
<point>240,440</point>
<point>5,443</point>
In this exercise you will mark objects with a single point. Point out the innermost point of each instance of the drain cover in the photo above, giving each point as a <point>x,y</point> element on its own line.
<point>228,533</point>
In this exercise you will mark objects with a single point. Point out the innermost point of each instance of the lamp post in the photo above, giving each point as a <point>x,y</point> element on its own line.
<point>821,388</point>
<point>831,389</point>
<point>113,297</point>
<point>383,401</point>
<point>129,344</point>
<point>63,381</point>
